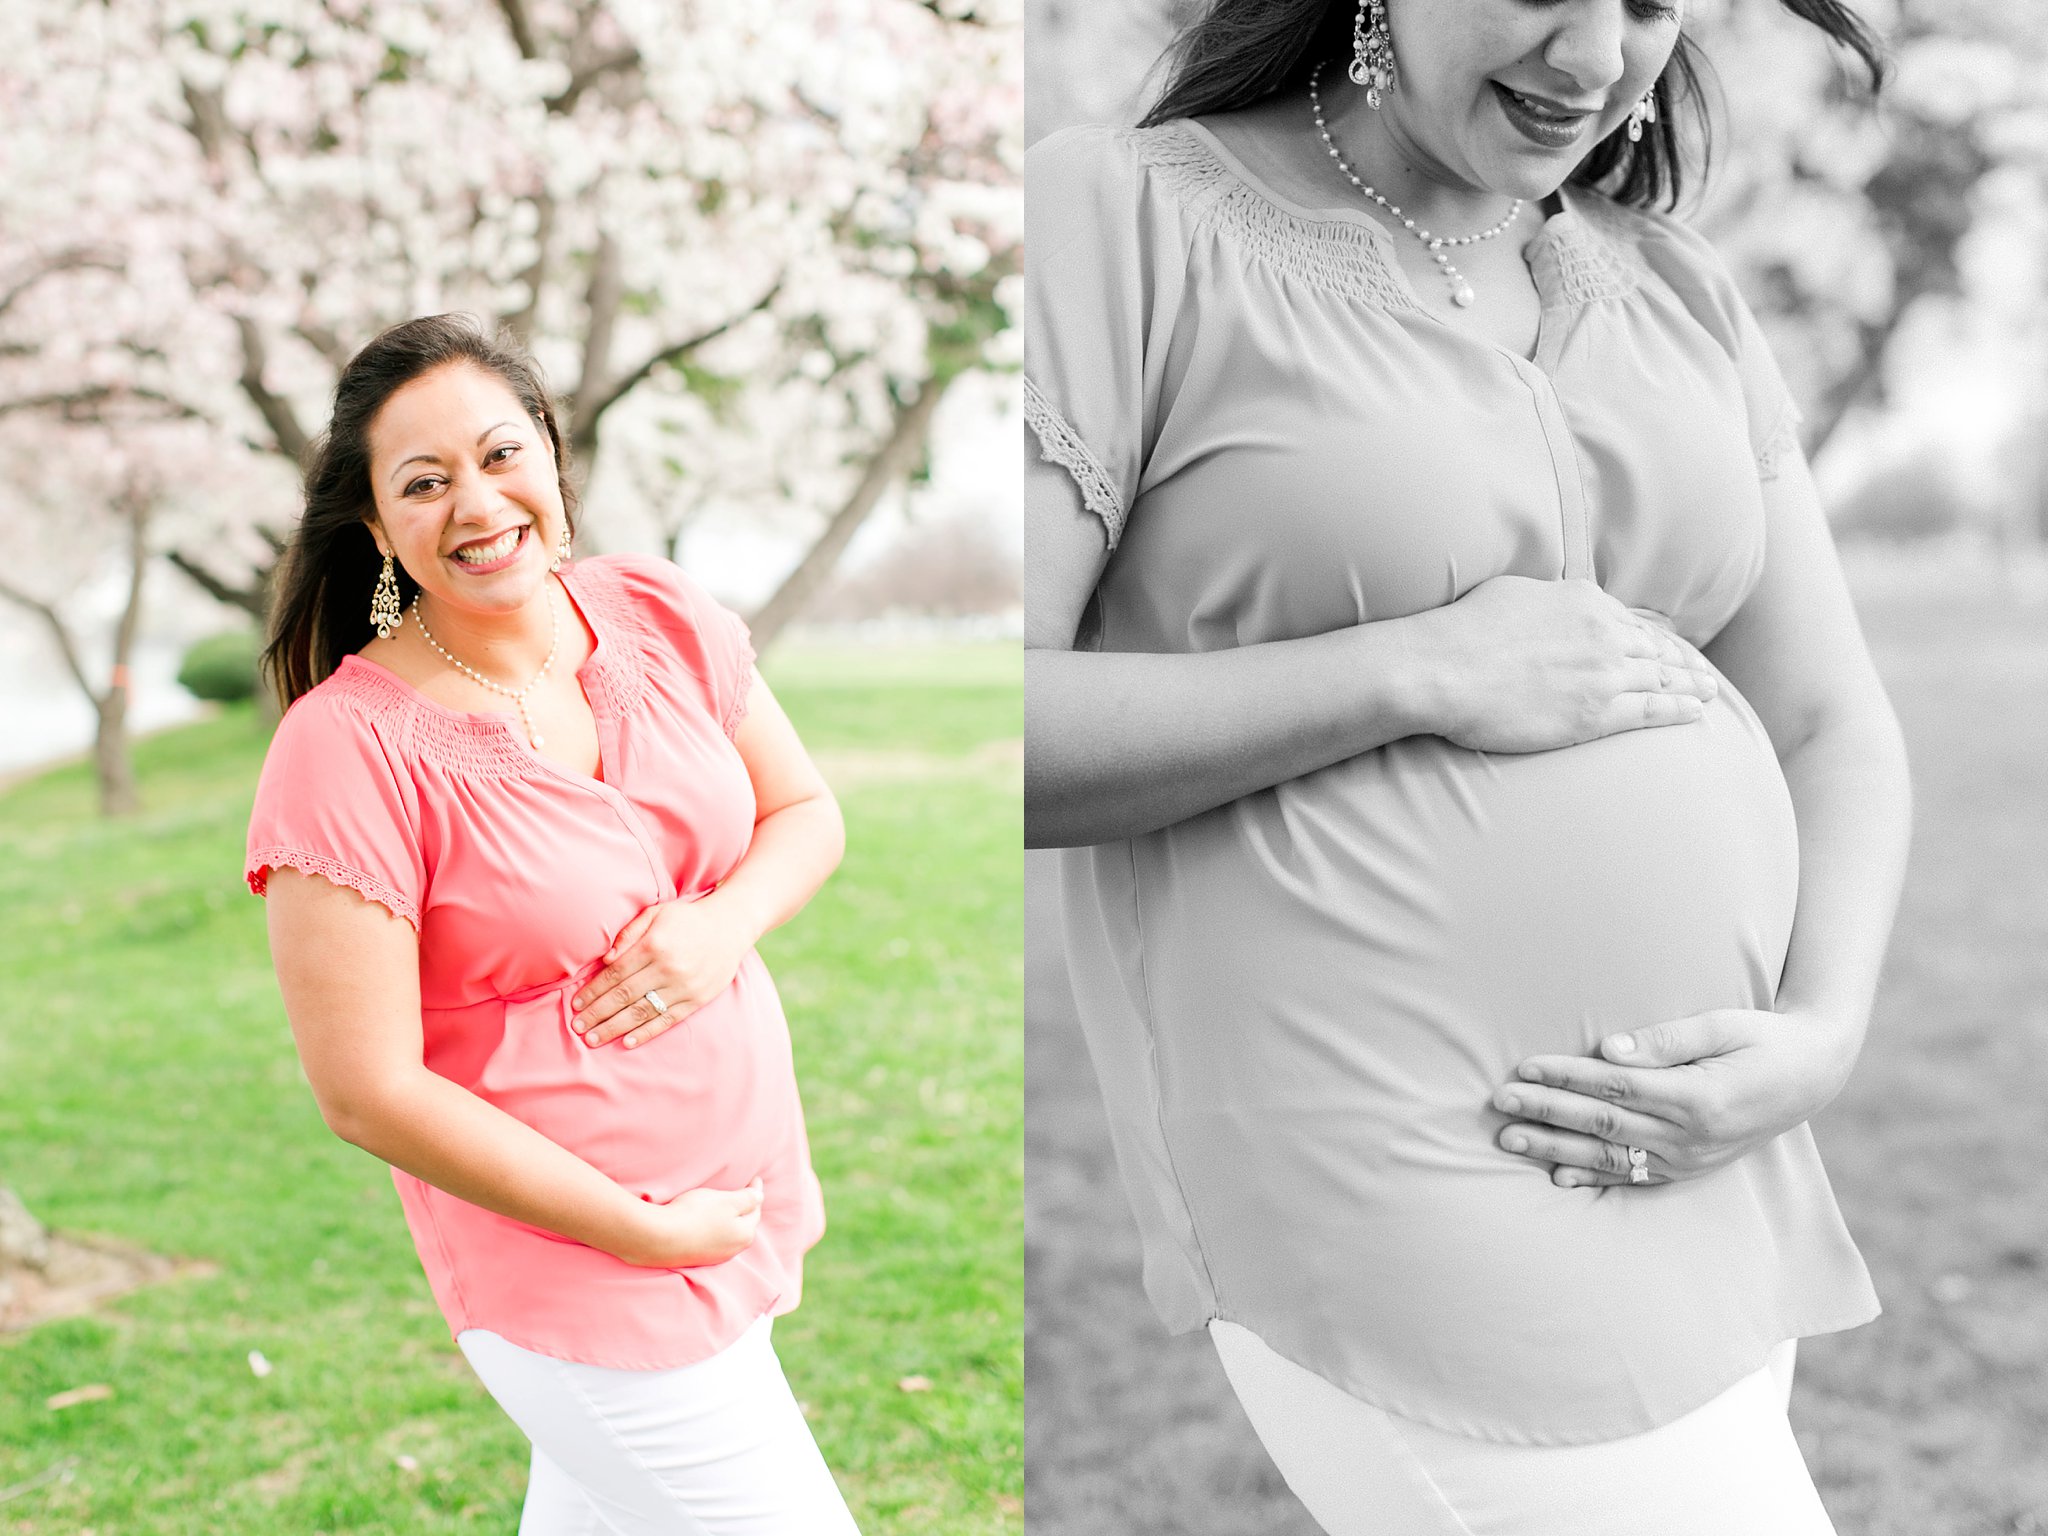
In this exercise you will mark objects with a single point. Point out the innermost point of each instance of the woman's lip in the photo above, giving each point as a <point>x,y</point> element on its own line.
<point>495,565</point>
<point>1551,104</point>
<point>1549,132</point>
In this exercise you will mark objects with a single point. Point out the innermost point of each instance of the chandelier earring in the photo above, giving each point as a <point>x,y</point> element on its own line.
<point>561,547</point>
<point>1644,111</point>
<point>384,611</point>
<point>1372,51</point>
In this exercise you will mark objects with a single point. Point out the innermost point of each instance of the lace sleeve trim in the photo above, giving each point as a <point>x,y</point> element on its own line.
<point>263,860</point>
<point>1060,444</point>
<point>1781,442</point>
<point>736,711</point>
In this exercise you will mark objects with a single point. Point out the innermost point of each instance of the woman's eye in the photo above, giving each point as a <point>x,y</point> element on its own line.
<point>492,456</point>
<point>423,480</point>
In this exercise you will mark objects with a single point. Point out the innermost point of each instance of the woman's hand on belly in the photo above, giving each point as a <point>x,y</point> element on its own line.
<point>1695,1094</point>
<point>686,952</point>
<point>699,1226</point>
<point>1520,665</point>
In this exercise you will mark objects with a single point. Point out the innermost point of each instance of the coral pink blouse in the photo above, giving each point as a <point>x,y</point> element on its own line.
<point>517,874</point>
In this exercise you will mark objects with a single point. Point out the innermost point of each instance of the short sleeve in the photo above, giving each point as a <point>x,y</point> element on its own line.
<point>1702,280</point>
<point>1095,304</point>
<point>711,641</point>
<point>333,800</point>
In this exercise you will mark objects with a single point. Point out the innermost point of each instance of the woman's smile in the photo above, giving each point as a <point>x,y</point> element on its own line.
<point>1542,121</point>
<point>489,553</point>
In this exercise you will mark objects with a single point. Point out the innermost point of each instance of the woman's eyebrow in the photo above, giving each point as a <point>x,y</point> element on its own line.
<point>434,458</point>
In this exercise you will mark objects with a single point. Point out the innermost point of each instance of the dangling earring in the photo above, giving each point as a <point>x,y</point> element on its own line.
<point>384,602</point>
<point>1372,51</point>
<point>561,547</point>
<point>1644,111</point>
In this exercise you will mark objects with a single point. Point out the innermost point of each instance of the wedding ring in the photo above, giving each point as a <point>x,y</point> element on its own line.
<point>1638,1166</point>
<point>655,998</point>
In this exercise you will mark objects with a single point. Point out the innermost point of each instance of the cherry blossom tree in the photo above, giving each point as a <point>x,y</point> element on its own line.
<point>733,235</point>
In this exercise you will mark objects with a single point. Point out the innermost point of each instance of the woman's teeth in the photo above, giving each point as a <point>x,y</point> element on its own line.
<point>484,554</point>
<point>1540,109</point>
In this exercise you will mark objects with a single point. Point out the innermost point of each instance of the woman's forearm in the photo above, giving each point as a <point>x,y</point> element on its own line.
<point>439,1131</point>
<point>1853,798</point>
<point>1117,744</point>
<point>795,849</point>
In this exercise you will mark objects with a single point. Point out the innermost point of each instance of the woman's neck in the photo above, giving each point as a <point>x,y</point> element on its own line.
<point>1386,159</point>
<point>506,647</point>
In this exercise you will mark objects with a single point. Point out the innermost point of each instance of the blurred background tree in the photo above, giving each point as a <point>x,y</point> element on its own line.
<point>751,246</point>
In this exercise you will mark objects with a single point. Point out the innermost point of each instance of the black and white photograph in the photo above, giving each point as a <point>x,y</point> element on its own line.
<point>1536,624</point>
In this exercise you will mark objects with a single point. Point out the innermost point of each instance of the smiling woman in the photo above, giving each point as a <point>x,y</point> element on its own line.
<point>517,950</point>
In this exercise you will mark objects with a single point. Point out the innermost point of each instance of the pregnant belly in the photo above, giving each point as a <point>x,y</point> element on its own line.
<point>1383,941</point>
<point>712,1100</point>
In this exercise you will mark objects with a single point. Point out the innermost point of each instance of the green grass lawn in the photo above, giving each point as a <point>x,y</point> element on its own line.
<point>149,1090</point>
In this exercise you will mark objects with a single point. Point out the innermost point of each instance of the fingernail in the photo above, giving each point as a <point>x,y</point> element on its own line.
<point>631,1041</point>
<point>1622,1045</point>
<point>1516,1143</point>
<point>1529,1074</point>
<point>1508,1104</point>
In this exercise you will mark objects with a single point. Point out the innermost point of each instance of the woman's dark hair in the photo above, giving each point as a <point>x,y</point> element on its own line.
<point>1237,52</point>
<point>320,596</point>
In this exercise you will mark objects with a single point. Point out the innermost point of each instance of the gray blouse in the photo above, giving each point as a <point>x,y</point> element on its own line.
<point>1299,1004</point>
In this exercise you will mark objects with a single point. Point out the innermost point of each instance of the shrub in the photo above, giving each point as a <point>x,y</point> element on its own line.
<point>221,667</point>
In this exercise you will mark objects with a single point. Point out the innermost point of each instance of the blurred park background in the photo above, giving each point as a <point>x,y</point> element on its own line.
<point>1899,261</point>
<point>767,257</point>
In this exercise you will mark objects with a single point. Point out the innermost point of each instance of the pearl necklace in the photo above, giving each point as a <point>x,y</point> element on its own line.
<point>518,696</point>
<point>1461,290</point>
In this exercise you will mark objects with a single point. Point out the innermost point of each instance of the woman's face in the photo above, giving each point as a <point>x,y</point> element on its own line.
<point>1510,95</point>
<point>456,463</point>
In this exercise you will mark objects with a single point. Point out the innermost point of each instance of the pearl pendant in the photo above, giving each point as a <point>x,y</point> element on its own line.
<point>540,741</point>
<point>1372,97</point>
<point>1462,296</point>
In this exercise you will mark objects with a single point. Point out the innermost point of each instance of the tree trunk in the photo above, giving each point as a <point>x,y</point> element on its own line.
<point>111,762</point>
<point>905,441</point>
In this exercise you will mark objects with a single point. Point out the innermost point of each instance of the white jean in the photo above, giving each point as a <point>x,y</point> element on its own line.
<point>718,1448</point>
<point>1729,1468</point>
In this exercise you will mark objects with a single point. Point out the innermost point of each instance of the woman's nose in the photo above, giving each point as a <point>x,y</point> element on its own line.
<point>1587,45</point>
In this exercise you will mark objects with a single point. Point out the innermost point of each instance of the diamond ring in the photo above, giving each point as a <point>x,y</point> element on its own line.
<point>655,998</point>
<point>1638,1166</point>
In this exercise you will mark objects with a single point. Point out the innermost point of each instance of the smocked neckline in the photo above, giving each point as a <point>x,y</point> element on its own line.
<point>1572,257</point>
<point>492,742</point>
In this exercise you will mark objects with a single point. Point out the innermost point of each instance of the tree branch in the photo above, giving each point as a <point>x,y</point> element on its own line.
<point>76,259</point>
<point>276,411</point>
<point>585,425</point>
<point>625,56</point>
<point>602,303</point>
<point>890,462</point>
<point>522,27</point>
<point>967,18</point>
<point>73,403</point>
<point>49,615</point>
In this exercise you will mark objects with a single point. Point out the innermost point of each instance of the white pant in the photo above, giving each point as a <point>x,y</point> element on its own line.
<point>718,1448</point>
<point>1730,1468</point>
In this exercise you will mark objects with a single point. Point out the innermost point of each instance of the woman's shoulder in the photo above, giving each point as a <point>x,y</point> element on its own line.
<point>1109,171</point>
<point>676,618</point>
<point>643,587</point>
<point>1671,252</point>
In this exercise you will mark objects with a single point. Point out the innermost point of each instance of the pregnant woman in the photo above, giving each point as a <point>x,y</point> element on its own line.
<point>1484,819</point>
<point>517,946</point>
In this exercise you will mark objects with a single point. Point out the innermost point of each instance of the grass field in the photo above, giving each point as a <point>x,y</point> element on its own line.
<point>1930,1421</point>
<point>149,1091</point>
